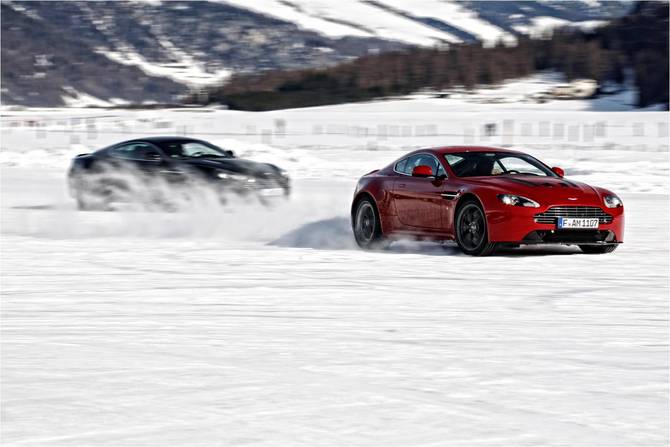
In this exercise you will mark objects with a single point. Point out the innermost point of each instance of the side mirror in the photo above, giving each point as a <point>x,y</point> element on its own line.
<point>422,171</point>
<point>152,156</point>
<point>558,171</point>
<point>230,154</point>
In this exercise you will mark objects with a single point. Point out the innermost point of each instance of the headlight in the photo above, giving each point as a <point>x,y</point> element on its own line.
<point>236,177</point>
<point>511,200</point>
<point>612,201</point>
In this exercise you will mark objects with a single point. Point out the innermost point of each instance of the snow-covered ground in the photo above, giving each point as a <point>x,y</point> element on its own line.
<point>249,325</point>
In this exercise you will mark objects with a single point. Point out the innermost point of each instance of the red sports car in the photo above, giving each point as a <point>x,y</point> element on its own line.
<point>483,198</point>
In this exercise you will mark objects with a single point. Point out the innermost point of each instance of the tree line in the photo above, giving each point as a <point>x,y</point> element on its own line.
<point>636,43</point>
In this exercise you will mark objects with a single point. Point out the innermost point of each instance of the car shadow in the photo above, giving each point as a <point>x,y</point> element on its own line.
<point>538,250</point>
<point>327,234</point>
<point>336,234</point>
<point>34,207</point>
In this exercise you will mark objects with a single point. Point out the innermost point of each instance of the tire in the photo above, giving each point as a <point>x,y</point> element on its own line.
<point>472,230</point>
<point>87,203</point>
<point>598,249</point>
<point>367,226</point>
<point>88,200</point>
<point>83,204</point>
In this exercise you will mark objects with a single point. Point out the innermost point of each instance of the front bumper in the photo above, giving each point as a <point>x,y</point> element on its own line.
<point>518,225</point>
<point>579,237</point>
<point>264,188</point>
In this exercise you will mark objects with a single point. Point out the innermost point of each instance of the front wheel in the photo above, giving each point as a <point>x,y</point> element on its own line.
<point>367,226</point>
<point>471,230</point>
<point>598,249</point>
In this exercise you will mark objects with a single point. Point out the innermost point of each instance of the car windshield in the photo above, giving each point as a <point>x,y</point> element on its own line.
<point>192,149</point>
<point>475,164</point>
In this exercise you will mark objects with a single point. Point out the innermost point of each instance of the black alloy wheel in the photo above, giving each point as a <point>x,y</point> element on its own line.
<point>367,227</point>
<point>471,230</point>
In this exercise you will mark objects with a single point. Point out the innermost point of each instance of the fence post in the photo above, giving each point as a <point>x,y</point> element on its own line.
<point>508,133</point>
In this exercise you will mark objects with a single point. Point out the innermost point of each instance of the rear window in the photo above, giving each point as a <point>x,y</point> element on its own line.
<point>453,159</point>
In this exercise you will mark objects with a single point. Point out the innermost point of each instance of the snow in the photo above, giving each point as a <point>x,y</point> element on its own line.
<point>305,18</point>
<point>543,25</point>
<point>185,70</point>
<point>75,98</point>
<point>23,10</point>
<point>148,2</point>
<point>350,18</point>
<point>309,142</point>
<point>266,326</point>
<point>399,20</point>
<point>181,66</point>
<point>456,16</point>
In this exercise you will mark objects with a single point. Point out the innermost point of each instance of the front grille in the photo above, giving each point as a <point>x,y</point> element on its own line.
<point>569,237</point>
<point>585,212</point>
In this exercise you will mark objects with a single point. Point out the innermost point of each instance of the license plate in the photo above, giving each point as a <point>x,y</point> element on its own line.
<point>569,222</point>
<point>271,192</point>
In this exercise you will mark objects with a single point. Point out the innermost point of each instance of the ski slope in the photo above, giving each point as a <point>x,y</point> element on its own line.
<point>420,22</point>
<point>350,18</point>
<point>266,326</point>
<point>455,15</point>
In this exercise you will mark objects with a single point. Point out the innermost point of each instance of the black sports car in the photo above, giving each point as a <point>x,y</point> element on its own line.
<point>130,172</point>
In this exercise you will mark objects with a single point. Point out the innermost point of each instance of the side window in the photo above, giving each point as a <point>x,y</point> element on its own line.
<point>429,160</point>
<point>422,159</point>
<point>193,148</point>
<point>412,162</point>
<point>133,151</point>
<point>407,165</point>
<point>400,166</point>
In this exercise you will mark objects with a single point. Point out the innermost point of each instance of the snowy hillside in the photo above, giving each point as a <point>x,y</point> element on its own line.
<point>156,51</point>
<point>433,22</point>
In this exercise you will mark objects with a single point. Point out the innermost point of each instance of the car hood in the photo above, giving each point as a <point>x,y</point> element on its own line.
<point>541,189</point>
<point>239,166</point>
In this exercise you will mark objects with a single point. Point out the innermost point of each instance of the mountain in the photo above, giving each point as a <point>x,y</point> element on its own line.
<point>75,53</point>
<point>435,22</point>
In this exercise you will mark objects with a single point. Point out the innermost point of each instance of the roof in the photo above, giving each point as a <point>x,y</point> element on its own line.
<point>441,150</point>
<point>156,140</point>
<point>453,149</point>
<point>162,139</point>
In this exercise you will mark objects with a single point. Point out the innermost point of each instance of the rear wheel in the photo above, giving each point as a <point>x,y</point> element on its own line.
<point>598,249</point>
<point>471,230</point>
<point>90,202</point>
<point>367,226</point>
<point>92,196</point>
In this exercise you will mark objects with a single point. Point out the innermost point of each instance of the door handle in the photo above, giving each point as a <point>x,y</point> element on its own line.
<point>401,185</point>
<point>450,195</point>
